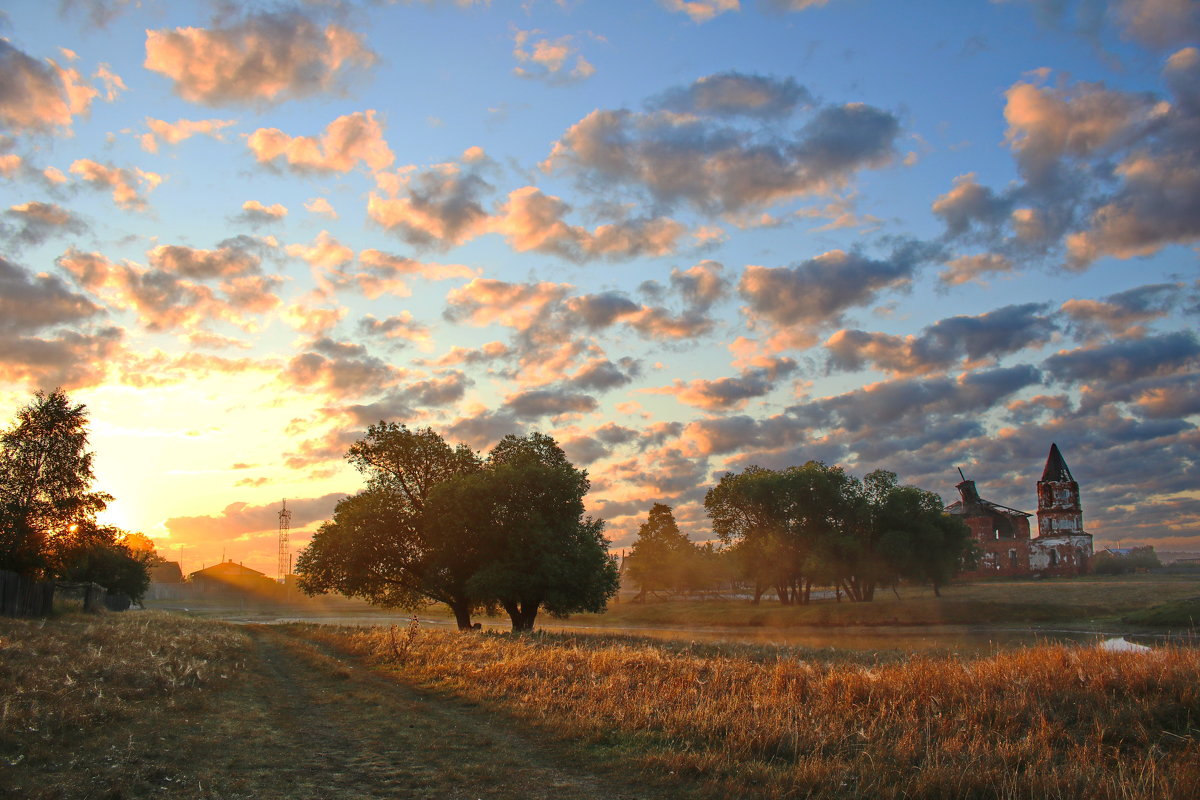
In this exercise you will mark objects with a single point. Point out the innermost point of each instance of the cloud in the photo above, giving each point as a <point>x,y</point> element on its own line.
<point>1160,23</point>
<point>124,183</point>
<point>907,404</point>
<point>262,60</point>
<point>30,303</point>
<point>255,213</point>
<point>174,133</point>
<point>440,207</point>
<point>966,269</point>
<point>1104,172</point>
<point>1128,359</point>
<point>537,403</point>
<point>940,346</point>
<point>730,393</point>
<point>731,94</point>
<point>384,273</point>
<point>319,205</point>
<point>71,359</point>
<point>701,10</point>
<point>345,142</point>
<point>816,293</point>
<point>340,369</point>
<point>99,12</point>
<point>37,222</point>
<point>1123,313</point>
<point>600,374</point>
<point>484,301</point>
<point>37,96</point>
<point>716,166</point>
<point>401,326</point>
<point>532,220</point>
<point>230,259</point>
<point>413,399</point>
<point>166,299</point>
<point>546,59</point>
<point>239,519</point>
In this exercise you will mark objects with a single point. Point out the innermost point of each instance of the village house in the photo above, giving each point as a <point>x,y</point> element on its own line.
<point>1062,546</point>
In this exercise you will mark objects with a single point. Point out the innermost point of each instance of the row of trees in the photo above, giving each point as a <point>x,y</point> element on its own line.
<point>48,508</point>
<point>786,530</point>
<point>438,523</point>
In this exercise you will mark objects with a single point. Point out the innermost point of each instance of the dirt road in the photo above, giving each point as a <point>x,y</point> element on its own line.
<point>301,723</point>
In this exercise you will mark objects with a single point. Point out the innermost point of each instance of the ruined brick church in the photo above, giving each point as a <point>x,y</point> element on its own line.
<point>1062,546</point>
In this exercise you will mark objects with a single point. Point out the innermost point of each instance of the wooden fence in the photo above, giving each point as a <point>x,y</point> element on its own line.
<point>24,597</point>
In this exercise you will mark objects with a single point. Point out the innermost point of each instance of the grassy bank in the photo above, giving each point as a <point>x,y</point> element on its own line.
<point>1042,722</point>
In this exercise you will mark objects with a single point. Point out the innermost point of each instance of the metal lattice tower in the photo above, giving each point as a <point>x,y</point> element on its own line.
<point>285,555</point>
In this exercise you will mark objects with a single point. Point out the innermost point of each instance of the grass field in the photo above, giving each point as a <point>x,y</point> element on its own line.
<point>1045,722</point>
<point>147,704</point>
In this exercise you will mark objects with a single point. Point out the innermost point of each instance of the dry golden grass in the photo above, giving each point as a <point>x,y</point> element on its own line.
<point>1046,722</point>
<point>71,675</point>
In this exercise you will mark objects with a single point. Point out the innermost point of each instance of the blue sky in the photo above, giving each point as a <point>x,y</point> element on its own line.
<point>682,237</point>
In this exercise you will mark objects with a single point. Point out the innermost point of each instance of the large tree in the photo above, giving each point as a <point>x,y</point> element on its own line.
<point>378,546</point>
<point>523,515</point>
<point>45,482</point>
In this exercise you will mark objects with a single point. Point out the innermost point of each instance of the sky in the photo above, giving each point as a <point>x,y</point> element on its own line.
<point>681,237</point>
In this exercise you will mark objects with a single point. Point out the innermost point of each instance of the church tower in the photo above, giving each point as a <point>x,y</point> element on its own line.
<point>1059,510</point>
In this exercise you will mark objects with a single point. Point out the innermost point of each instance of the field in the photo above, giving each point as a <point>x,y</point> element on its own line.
<point>148,704</point>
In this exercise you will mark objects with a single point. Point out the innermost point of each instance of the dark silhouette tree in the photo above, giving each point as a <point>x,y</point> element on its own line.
<point>45,482</point>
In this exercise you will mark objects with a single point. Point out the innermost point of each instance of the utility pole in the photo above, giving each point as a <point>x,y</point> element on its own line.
<point>285,555</point>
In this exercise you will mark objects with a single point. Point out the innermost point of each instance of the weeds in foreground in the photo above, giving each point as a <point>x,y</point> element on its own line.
<point>1049,721</point>
<point>72,675</point>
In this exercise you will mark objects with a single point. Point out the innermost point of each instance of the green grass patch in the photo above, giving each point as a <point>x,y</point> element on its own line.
<point>1177,615</point>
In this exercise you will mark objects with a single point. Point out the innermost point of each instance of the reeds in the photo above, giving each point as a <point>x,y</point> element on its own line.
<point>1044,722</point>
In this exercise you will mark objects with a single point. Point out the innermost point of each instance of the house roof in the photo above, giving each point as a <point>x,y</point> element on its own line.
<point>1056,467</point>
<point>227,569</point>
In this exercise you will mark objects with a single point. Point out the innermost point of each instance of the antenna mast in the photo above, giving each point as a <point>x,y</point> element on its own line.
<point>285,555</point>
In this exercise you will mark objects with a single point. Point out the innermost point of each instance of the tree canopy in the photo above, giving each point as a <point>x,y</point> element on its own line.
<point>662,558</point>
<point>816,523</point>
<point>48,507</point>
<point>439,524</point>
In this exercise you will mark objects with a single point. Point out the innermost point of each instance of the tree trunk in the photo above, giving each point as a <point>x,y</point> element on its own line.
<point>522,615</point>
<point>462,614</point>
<point>936,591</point>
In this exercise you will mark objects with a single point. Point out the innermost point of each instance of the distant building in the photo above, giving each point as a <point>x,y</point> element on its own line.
<point>1062,546</point>
<point>228,576</point>
<point>166,572</point>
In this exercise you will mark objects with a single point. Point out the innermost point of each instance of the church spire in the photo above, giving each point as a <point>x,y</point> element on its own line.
<point>1056,467</point>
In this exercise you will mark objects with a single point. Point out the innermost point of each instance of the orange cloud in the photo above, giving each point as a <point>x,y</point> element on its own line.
<point>124,183</point>
<point>180,130</point>
<point>40,96</point>
<point>348,140</point>
<point>265,59</point>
